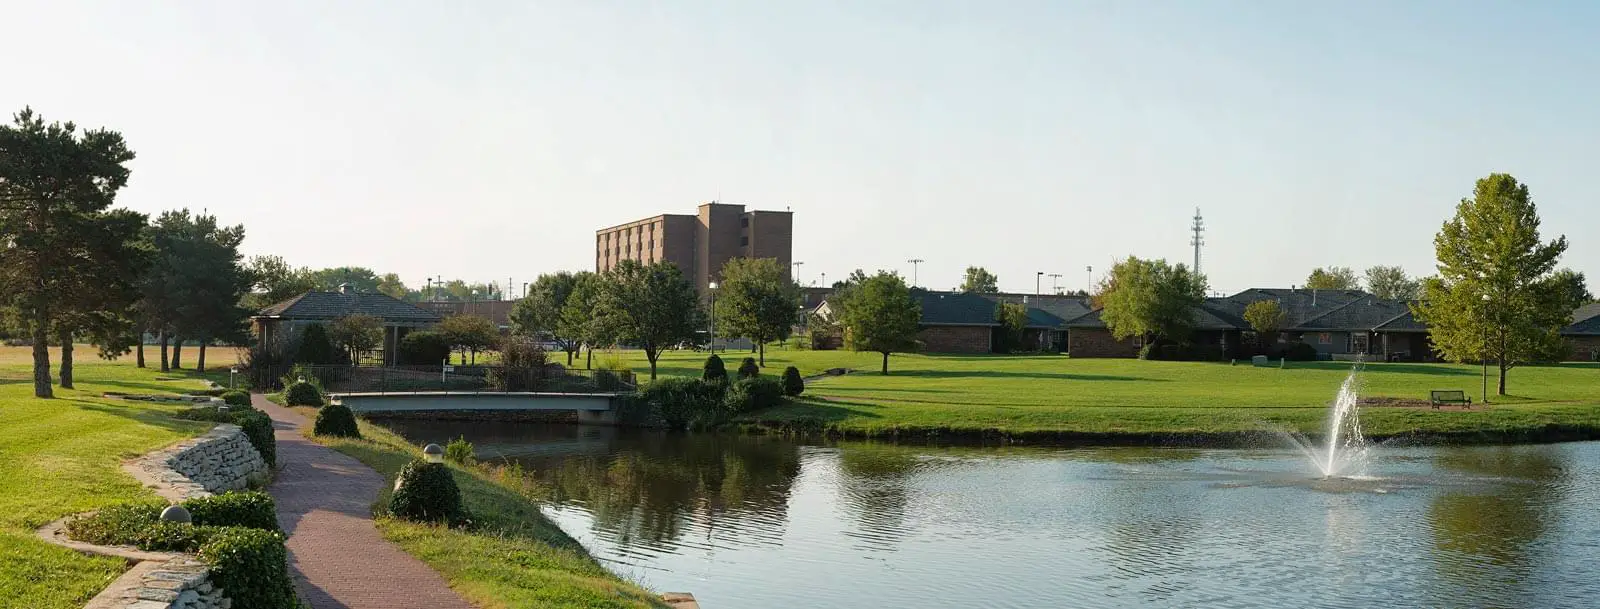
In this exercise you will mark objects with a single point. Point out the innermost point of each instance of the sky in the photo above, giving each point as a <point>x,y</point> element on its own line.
<point>488,140</point>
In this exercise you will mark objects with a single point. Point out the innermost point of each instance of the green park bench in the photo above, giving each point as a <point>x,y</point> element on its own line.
<point>1449,397</point>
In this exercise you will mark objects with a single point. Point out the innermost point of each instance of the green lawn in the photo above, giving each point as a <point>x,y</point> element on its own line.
<point>61,456</point>
<point>513,557</point>
<point>1042,394</point>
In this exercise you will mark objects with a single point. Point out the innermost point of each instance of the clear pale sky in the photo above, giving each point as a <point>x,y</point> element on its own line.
<point>483,140</point>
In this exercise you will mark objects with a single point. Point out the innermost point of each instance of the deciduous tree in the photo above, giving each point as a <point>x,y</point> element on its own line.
<point>356,335</point>
<point>540,311</point>
<point>1393,283</point>
<point>757,301</point>
<point>56,184</point>
<point>651,306</point>
<point>579,318</point>
<point>1267,318</point>
<point>1332,278</point>
<point>470,334</point>
<point>1151,299</point>
<point>879,314</point>
<point>979,280</point>
<point>1498,296</point>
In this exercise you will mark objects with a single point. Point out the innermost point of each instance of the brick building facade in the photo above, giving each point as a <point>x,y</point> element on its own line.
<point>956,339</point>
<point>700,244</point>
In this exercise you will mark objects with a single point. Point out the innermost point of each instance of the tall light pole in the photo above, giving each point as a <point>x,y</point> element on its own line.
<point>1054,279</point>
<point>1090,270</point>
<point>712,331</point>
<point>914,262</point>
<point>795,274</point>
<point>1037,278</point>
<point>824,280</point>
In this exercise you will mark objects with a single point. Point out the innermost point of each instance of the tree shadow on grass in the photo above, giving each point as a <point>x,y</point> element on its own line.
<point>1053,376</point>
<point>814,409</point>
<point>147,416</point>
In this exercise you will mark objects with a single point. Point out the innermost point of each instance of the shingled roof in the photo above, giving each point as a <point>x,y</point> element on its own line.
<point>1585,321</point>
<point>955,309</point>
<point>324,306</point>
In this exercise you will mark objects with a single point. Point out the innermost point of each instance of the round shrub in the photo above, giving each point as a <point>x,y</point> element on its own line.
<point>257,428</point>
<point>252,566</point>
<point>303,394</point>
<point>336,420</point>
<point>250,509</point>
<point>751,394</point>
<point>793,385</point>
<point>427,493</point>
<point>236,398</point>
<point>748,368</point>
<point>424,348</point>
<point>714,370</point>
<point>680,402</point>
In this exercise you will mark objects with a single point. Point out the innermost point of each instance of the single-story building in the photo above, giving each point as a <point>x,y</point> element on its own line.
<point>1584,333</point>
<point>285,320</point>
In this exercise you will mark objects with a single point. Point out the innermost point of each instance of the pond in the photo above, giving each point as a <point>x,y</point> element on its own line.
<point>750,521</point>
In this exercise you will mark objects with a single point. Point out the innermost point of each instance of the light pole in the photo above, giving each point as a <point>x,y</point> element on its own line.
<point>524,289</point>
<point>712,331</point>
<point>914,262</point>
<point>1037,278</point>
<point>1054,279</point>
<point>232,371</point>
<point>824,280</point>
<point>796,272</point>
<point>1090,271</point>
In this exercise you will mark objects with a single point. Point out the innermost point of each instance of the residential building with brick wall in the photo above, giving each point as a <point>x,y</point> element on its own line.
<point>699,244</point>
<point>959,322</point>
<point>1584,333</point>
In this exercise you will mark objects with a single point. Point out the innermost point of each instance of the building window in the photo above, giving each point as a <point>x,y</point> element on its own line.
<point>1325,338</point>
<point>744,241</point>
<point>744,222</point>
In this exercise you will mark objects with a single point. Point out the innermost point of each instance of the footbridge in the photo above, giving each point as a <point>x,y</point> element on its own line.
<point>599,408</point>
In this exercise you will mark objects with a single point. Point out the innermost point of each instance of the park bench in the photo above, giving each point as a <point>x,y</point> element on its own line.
<point>1449,397</point>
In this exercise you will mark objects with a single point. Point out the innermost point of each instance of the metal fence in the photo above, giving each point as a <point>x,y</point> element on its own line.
<point>468,379</point>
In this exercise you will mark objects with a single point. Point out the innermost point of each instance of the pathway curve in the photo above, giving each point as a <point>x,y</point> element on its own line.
<point>336,555</point>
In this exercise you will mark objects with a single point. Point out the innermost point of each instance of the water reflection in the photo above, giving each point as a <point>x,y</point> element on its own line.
<point>768,522</point>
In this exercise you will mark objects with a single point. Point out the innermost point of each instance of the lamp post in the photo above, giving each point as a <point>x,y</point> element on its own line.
<point>796,272</point>
<point>1090,271</point>
<point>712,331</point>
<point>432,453</point>
<point>232,371</point>
<point>1055,278</point>
<point>914,262</point>
<point>1037,278</point>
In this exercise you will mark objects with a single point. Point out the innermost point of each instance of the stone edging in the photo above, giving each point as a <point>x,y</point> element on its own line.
<point>222,459</point>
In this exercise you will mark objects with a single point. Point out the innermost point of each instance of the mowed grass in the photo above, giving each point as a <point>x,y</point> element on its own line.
<point>512,558</point>
<point>1024,394</point>
<point>62,456</point>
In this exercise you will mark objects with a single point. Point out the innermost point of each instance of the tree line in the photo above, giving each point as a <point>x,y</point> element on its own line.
<point>1499,295</point>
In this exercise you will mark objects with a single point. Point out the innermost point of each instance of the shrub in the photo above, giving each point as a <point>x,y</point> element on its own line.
<point>337,421</point>
<point>215,392</point>
<point>459,450</point>
<point>748,368</point>
<point>424,348</point>
<point>714,370</point>
<point>751,394</point>
<point>249,509</point>
<point>252,566</point>
<point>793,385</point>
<point>257,428</point>
<point>1300,352</point>
<point>1150,351</point>
<point>138,525</point>
<point>522,366</point>
<point>236,398</point>
<point>427,493</point>
<point>680,402</point>
<point>302,394</point>
<point>315,347</point>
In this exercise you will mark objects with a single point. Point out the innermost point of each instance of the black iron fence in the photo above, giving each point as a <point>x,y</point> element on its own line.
<point>465,378</point>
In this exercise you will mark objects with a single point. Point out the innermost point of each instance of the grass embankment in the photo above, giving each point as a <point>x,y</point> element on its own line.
<point>512,556</point>
<point>1047,396</point>
<point>62,456</point>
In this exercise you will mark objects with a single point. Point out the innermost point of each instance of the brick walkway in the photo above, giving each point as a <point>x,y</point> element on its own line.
<point>336,555</point>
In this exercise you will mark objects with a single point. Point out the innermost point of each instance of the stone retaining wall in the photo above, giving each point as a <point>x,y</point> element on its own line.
<point>220,460</point>
<point>179,583</point>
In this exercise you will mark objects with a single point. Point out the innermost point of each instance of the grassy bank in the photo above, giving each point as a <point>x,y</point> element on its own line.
<point>1119,400</point>
<point>512,557</point>
<point>62,456</point>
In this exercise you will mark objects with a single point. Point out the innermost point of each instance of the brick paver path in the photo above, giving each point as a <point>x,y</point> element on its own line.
<point>336,555</point>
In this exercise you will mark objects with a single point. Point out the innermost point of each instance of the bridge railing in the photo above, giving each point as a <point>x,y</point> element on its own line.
<point>469,379</point>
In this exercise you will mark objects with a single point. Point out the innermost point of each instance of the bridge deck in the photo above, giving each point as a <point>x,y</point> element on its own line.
<point>469,400</point>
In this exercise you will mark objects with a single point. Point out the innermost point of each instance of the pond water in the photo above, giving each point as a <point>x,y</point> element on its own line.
<point>769,522</point>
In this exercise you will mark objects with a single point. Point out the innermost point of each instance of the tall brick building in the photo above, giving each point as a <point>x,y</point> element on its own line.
<point>699,244</point>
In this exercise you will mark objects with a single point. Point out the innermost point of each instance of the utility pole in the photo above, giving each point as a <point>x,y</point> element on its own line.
<point>914,262</point>
<point>1199,228</point>
<point>1037,278</point>
<point>1055,278</point>
<point>795,272</point>
<point>1090,270</point>
<point>824,280</point>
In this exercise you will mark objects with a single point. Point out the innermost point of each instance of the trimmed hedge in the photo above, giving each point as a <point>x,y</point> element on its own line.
<point>236,398</point>
<point>257,427</point>
<point>427,493</point>
<point>1300,352</point>
<point>751,394</point>
<point>251,565</point>
<point>302,394</point>
<point>249,509</point>
<point>337,421</point>
<point>424,348</point>
<point>793,385</point>
<point>748,369</point>
<point>714,370</point>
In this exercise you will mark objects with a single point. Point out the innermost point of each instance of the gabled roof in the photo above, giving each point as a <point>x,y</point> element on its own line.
<point>955,309</point>
<point>1364,313</point>
<point>326,306</point>
<point>1404,322</point>
<point>1585,321</point>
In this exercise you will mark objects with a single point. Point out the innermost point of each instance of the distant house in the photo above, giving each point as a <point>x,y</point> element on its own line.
<point>287,319</point>
<point>961,322</point>
<point>1337,323</point>
<point>496,311</point>
<point>1584,333</point>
